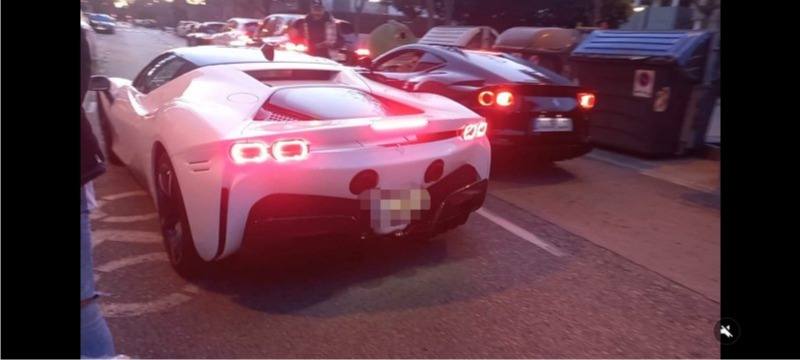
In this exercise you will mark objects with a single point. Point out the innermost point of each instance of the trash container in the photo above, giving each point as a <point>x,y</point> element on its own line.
<point>467,37</point>
<point>389,36</point>
<point>546,47</point>
<point>650,89</point>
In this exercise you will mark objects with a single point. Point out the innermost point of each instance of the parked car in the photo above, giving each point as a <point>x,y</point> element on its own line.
<point>148,23</point>
<point>239,146</point>
<point>528,107</point>
<point>186,27</point>
<point>237,32</point>
<point>102,23</point>
<point>204,32</point>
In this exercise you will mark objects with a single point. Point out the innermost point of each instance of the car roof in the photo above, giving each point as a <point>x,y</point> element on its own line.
<point>218,55</point>
<point>245,20</point>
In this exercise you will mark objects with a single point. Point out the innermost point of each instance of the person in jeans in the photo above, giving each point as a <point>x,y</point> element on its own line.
<point>96,341</point>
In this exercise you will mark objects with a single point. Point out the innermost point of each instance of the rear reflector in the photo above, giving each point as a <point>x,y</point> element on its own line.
<point>394,124</point>
<point>290,150</point>
<point>250,152</point>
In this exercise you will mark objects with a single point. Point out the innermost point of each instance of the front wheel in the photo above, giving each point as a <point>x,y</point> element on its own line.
<point>174,222</point>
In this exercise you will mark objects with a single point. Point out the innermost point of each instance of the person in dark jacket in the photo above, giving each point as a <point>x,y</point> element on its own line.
<point>96,339</point>
<point>319,30</point>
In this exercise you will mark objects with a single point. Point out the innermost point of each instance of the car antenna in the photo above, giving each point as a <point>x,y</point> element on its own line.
<point>269,51</point>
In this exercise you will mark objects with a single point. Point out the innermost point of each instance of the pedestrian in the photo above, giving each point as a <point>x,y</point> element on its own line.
<point>96,339</point>
<point>320,30</point>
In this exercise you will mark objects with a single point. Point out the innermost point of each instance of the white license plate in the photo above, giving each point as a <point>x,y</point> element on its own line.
<point>552,124</point>
<point>394,209</point>
<point>340,57</point>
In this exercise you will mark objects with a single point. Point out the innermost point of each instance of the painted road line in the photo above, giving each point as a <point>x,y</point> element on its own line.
<point>124,195</point>
<point>520,232</point>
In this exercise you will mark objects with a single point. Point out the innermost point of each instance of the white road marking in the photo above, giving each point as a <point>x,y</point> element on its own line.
<point>111,309</point>
<point>128,261</point>
<point>115,310</point>
<point>127,236</point>
<point>124,195</point>
<point>129,218</point>
<point>520,232</point>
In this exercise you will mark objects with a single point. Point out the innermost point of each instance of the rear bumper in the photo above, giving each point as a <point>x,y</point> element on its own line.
<point>286,216</point>
<point>551,147</point>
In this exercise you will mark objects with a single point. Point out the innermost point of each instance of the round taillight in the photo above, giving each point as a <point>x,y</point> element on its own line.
<point>586,100</point>
<point>504,98</point>
<point>486,98</point>
<point>364,180</point>
<point>434,171</point>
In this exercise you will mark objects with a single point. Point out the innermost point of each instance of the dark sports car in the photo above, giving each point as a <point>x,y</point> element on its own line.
<point>527,106</point>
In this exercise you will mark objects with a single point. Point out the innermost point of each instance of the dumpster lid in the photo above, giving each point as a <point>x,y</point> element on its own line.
<point>677,46</point>
<point>458,36</point>
<point>539,39</point>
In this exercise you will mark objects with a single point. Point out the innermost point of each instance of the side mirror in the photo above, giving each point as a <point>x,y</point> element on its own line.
<point>99,83</point>
<point>269,51</point>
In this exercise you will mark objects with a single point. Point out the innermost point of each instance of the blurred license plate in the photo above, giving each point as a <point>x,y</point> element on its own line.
<point>551,124</point>
<point>391,208</point>
<point>340,56</point>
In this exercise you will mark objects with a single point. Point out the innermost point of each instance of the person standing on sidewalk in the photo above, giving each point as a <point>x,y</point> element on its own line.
<point>96,341</point>
<point>320,30</point>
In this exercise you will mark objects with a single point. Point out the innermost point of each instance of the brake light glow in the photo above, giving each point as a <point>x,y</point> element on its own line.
<point>474,131</point>
<point>486,98</point>
<point>504,98</point>
<point>295,47</point>
<point>586,100</point>
<point>249,152</point>
<point>394,124</point>
<point>481,129</point>
<point>362,52</point>
<point>290,150</point>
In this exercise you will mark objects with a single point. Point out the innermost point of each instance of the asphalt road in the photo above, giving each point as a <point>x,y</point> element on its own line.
<point>593,257</point>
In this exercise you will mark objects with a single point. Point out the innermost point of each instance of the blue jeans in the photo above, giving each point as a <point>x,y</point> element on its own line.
<point>96,339</point>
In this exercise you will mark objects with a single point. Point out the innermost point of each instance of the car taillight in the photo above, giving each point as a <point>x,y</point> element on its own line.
<point>481,129</point>
<point>473,131</point>
<point>586,100</point>
<point>486,98</point>
<point>290,150</point>
<point>362,52</point>
<point>504,98</point>
<point>249,152</point>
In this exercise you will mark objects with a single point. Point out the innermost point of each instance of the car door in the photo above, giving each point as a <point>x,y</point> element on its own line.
<point>405,68</point>
<point>135,107</point>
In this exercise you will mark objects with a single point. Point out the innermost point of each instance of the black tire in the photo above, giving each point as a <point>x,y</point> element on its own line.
<point>105,128</point>
<point>174,222</point>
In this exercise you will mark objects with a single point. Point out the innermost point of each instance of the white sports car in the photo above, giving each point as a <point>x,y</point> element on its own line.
<point>235,148</point>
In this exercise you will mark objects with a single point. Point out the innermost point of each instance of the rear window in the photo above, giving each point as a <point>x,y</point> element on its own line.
<point>331,103</point>
<point>515,70</point>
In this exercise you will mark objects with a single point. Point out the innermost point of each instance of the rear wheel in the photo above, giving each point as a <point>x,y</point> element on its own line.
<point>105,128</point>
<point>174,222</point>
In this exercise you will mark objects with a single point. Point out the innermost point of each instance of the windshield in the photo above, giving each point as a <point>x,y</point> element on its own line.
<point>101,17</point>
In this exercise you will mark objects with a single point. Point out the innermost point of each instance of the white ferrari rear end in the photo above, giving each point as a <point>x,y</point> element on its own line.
<point>239,154</point>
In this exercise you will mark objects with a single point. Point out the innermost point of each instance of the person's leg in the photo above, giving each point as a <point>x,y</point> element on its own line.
<point>95,337</point>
